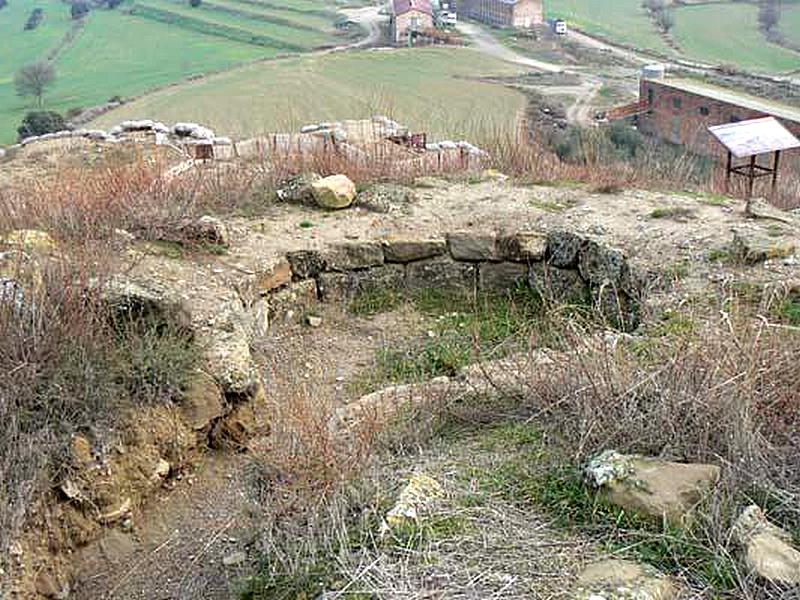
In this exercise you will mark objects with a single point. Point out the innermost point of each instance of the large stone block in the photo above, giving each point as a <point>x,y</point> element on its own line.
<point>559,285</point>
<point>353,255</point>
<point>336,287</point>
<point>600,264</point>
<point>471,246</point>
<point>440,273</point>
<point>621,579</point>
<point>408,250</point>
<point>292,299</point>
<point>523,246</point>
<point>753,247</point>
<point>503,276</point>
<point>652,487</point>
<point>768,549</point>
<point>335,191</point>
<point>306,263</point>
<point>563,248</point>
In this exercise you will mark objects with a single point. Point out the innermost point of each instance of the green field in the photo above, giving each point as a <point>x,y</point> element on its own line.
<point>619,20</point>
<point>725,32</point>
<point>277,35</point>
<point>116,53</point>
<point>428,89</point>
<point>734,38</point>
<point>790,22</point>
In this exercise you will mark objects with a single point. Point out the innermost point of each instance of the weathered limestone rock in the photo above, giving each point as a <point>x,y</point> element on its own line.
<point>754,247</point>
<point>229,361</point>
<point>767,548</point>
<point>272,274</point>
<point>336,191</point>
<point>440,272</point>
<point>202,402</point>
<point>342,286</point>
<point>560,285</point>
<point>624,580</point>
<point>292,299</point>
<point>417,497</point>
<point>523,246</point>
<point>306,263</point>
<point>600,264</point>
<point>385,198</point>
<point>615,306</point>
<point>131,299</point>
<point>206,229</point>
<point>466,245</point>
<point>398,250</point>
<point>353,255</point>
<point>298,189</point>
<point>503,276</point>
<point>563,248</point>
<point>650,486</point>
<point>382,405</point>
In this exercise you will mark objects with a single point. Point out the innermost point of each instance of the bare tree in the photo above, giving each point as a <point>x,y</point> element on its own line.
<point>769,14</point>
<point>33,79</point>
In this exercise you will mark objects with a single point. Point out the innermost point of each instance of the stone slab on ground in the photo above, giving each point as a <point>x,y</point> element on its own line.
<point>624,580</point>
<point>652,487</point>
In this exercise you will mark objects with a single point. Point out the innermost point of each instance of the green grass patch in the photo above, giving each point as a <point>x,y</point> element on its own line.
<point>536,472</point>
<point>790,22</point>
<point>734,39</point>
<point>623,21</point>
<point>128,56</point>
<point>675,213</point>
<point>459,329</point>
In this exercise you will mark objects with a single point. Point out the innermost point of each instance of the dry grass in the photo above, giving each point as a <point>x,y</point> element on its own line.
<point>71,366</point>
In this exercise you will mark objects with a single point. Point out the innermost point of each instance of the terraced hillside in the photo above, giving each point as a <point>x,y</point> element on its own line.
<point>146,44</point>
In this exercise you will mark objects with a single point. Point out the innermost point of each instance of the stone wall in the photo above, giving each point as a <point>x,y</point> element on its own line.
<point>561,265</point>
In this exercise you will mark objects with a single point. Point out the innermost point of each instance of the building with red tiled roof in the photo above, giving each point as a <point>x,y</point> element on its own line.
<point>409,18</point>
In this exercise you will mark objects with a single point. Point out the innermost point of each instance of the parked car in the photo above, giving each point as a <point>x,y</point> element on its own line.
<point>449,19</point>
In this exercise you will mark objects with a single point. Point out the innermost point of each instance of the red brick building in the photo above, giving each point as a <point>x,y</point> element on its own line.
<point>681,110</point>
<point>503,13</point>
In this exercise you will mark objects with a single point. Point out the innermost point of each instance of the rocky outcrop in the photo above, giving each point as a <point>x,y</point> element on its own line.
<point>767,548</point>
<point>652,487</point>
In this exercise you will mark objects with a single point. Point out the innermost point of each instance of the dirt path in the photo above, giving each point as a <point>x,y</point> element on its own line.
<point>485,42</point>
<point>369,17</point>
<point>581,110</point>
